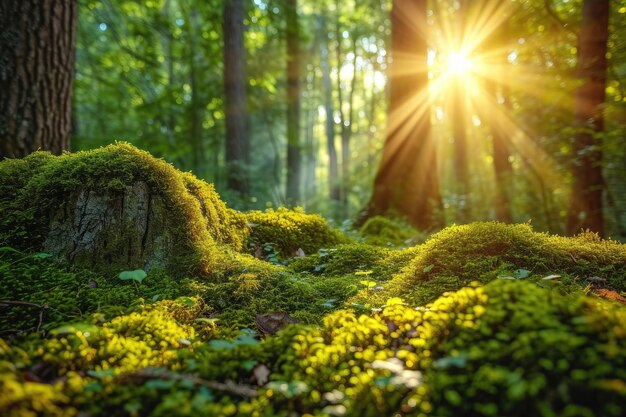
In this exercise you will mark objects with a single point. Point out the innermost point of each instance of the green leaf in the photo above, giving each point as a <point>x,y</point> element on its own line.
<point>137,275</point>
<point>428,268</point>
<point>159,384</point>
<point>41,255</point>
<point>368,284</point>
<point>521,273</point>
<point>8,249</point>
<point>221,344</point>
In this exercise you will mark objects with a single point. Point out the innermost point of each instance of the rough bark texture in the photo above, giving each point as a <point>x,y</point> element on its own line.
<point>293,102</point>
<point>586,208</point>
<point>37,49</point>
<point>407,181</point>
<point>237,141</point>
<point>126,228</point>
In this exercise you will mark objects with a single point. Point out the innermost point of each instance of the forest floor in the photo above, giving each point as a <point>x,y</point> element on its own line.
<point>128,288</point>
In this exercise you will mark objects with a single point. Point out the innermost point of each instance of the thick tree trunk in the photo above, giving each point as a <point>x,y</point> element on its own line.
<point>37,53</point>
<point>237,141</point>
<point>293,103</point>
<point>586,211</point>
<point>407,181</point>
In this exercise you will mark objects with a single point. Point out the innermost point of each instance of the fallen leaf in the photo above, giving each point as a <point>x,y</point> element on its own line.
<point>261,374</point>
<point>273,322</point>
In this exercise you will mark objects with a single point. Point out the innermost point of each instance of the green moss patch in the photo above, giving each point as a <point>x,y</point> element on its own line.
<point>482,252</point>
<point>283,232</point>
<point>383,231</point>
<point>509,348</point>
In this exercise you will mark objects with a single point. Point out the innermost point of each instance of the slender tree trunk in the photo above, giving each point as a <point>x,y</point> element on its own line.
<point>459,130</point>
<point>37,54</point>
<point>333,167</point>
<point>196,105</point>
<point>293,103</point>
<point>501,165</point>
<point>237,141</point>
<point>407,181</point>
<point>586,211</point>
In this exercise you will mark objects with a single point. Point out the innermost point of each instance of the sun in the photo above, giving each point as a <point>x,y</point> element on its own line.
<point>459,63</point>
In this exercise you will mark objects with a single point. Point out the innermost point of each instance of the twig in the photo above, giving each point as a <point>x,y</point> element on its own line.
<point>229,386</point>
<point>42,308</point>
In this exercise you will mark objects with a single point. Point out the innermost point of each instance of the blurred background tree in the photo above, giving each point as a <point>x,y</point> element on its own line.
<point>503,77</point>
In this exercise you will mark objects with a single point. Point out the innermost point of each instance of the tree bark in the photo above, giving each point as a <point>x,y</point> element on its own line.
<point>37,54</point>
<point>407,180</point>
<point>237,141</point>
<point>459,129</point>
<point>333,166</point>
<point>586,207</point>
<point>503,170</point>
<point>293,103</point>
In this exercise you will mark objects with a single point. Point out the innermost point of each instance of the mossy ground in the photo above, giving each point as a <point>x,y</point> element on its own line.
<point>464,324</point>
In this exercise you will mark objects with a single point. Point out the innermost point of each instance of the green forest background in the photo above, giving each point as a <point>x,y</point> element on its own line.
<point>151,73</point>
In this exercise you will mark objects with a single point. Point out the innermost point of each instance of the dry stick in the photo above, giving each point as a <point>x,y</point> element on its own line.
<point>228,386</point>
<point>41,307</point>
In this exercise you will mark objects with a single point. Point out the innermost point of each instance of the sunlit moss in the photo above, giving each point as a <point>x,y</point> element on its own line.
<point>383,231</point>
<point>509,348</point>
<point>286,231</point>
<point>459,255</point>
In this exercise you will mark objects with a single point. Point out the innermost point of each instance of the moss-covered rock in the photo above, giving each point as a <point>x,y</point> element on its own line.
<point>285,231</point>
<point>482,252</point>
<point>115,208</point>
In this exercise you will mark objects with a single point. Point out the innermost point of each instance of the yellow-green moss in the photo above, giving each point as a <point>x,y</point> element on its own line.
<point>286,231</point>
<point>509,348</point>
<point>195,215</point>
<point>458,255</point>
<point>383,231</point>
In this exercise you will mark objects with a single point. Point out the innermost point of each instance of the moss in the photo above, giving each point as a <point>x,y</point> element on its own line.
<point>350,258</point>
<point>69,295</point>
<point>286,231</point>
<point>509,348</point>
<point>459,255</point>
<point>41,183</point>
<point>383,231</point>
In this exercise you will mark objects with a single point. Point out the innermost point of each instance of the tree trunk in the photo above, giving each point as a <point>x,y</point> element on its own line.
<point>333,168</point>
<point>237,142</point>
<point>503,170</point>
<point>459,130</point>
<point>407,180</point>
<point>585,210</point>
<point>37,54</point>
<point>501,165</point>
<point>293,103</point>
<point>197,106</point>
